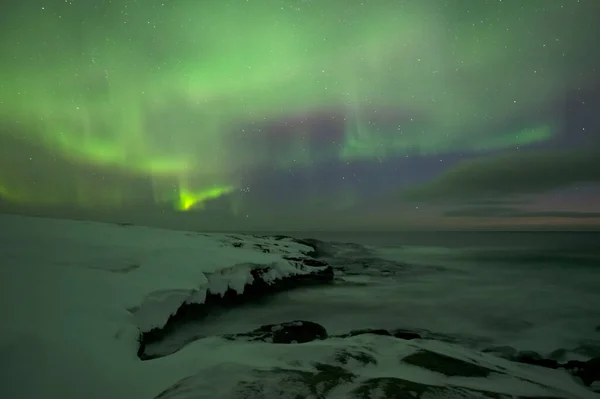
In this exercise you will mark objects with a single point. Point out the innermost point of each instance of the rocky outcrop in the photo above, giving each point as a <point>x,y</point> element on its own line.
<point>257,289</point>
<point>293,332</point>
<point>306,331</point>
<point>360,368</point>
<point>301,331</point>
<point>588,372</point>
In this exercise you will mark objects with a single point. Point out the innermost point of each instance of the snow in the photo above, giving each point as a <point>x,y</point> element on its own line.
<point>90,287</point>
<point>74,296</point>
<point>227,363</point>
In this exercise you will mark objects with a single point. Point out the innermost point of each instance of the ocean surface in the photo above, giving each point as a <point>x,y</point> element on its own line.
<point>529,290</point>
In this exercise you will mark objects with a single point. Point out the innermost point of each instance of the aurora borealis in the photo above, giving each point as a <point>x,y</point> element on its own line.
<point>302,113</point>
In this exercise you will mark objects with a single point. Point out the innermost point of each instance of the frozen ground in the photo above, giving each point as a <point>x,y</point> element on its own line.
<point>74,296</point>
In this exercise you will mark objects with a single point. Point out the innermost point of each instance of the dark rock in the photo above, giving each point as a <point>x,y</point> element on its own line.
<point>573,366</point>
<point>534,358</point>
<point>406,334</point>
<point>598,328</point>
<point>298,331</point>
<point>257,290</point>
<point>446,365</point>
<point>237,244</point>
<point>590,371</point>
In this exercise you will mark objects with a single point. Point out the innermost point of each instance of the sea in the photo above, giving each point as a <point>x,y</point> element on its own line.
<point>535,291</point>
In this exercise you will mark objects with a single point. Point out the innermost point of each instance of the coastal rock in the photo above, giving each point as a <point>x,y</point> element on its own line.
<point>534,358</point>
<point>589,371</point>
<point>359,368</point>
<point>298,331</point>
<point>254,291</point>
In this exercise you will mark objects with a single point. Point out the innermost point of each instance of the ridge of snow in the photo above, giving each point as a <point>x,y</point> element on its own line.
<point>158,306</point>
<point>148,271</point>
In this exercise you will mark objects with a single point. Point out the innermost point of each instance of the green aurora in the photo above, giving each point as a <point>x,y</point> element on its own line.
<point>176,92</point>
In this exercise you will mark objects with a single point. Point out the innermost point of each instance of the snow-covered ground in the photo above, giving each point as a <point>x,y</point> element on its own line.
<point>75,295</point>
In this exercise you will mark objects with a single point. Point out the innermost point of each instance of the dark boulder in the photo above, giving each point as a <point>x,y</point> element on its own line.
<point>292,332</point>
<point>534,358</point>
<point>573,366</point>
<point>589,371</point>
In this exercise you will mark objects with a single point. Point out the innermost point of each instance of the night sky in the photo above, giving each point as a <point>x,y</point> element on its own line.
<point>302,114</point>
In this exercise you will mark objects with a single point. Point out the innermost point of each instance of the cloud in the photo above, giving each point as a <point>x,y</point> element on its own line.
<point>509,212</point>
<point>506,176</point>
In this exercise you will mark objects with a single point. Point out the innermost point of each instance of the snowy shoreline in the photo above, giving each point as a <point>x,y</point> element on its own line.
<point>75,296</point>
